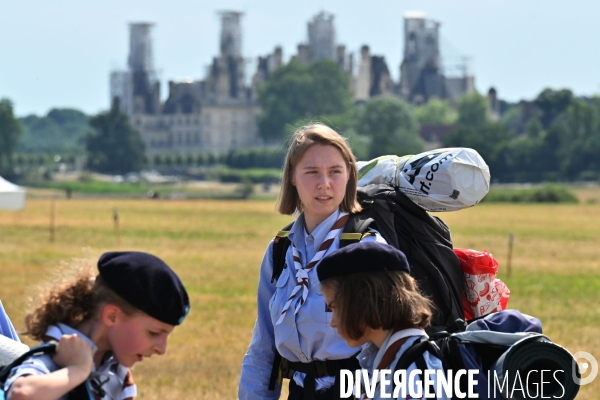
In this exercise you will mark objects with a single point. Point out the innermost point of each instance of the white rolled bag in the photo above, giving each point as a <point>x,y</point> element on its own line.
<point>447,179</point>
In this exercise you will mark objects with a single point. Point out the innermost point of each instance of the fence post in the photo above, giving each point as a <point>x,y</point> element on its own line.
<point>52,221</point>
<point>116,223</point>
<point>510,251</point>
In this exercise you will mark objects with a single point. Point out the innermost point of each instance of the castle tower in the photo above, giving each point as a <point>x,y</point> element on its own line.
<point>231,34</point>
<point>140,47</point>
<point>145,88</point>
<point>494,104</point>
<point>321,38</point>
<point>420,71</point>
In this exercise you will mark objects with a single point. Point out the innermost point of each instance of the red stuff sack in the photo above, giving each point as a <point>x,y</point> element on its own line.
<point>483,293</point>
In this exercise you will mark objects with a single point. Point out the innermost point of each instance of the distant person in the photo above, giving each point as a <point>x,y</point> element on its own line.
<point>104,324</point>
<point>376,304</point>
<point>319,184</point>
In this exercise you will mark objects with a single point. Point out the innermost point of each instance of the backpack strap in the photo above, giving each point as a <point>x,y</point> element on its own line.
<point>276,373</point>
<point>81,392</point>
<point>280,246</point>
<point>414,354</point>
<point>356,228</point>
<point>46,348</point>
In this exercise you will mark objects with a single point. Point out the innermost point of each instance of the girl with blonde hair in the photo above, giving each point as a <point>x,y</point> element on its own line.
<point>319,185</point>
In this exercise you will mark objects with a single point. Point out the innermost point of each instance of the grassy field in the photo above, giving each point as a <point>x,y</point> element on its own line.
<point>217,246</point>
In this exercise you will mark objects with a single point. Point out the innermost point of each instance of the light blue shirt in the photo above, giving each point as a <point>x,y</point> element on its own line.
<point>6,327</point>
<point>301,337</point>
<point>111,373</point>
<point>370,357</point>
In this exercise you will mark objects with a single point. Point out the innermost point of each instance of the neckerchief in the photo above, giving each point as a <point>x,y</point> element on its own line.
<point>302,272</point>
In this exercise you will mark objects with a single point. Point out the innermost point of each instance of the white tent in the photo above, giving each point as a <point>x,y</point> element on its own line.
<point>12,197</point>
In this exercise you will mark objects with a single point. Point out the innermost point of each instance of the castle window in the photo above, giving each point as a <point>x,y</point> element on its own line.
<point>412,43</point>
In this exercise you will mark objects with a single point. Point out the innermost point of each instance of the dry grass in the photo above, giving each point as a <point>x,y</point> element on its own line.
<point>216,247</point>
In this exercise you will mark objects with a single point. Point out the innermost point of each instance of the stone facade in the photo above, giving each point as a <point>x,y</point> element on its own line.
<point>215,129</point>
<point>218,113</point>
<point>212,115</point>
<point>373,77</point>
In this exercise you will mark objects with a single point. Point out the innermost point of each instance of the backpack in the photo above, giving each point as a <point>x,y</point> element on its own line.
<point>81,392</point>
<point>424,239</point>
<point>505,348</point>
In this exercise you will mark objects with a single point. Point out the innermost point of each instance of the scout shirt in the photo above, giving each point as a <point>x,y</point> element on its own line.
<point>370,357</point>
<point>301,337</point>
<point>114,379</point>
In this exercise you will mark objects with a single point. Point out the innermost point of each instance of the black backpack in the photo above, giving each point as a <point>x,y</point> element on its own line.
<point>81,392</point>
<point>424,239</point>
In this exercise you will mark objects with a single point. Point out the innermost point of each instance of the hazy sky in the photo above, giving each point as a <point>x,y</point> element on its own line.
<point>59,53</point>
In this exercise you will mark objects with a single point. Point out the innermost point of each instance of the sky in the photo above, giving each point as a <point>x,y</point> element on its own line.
<point>59,53</point>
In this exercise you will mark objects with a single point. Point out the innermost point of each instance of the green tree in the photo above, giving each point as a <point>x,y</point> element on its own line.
<point>61,131</point>
<point>576,134</point>
<point>190,160</point>
<point>552,103</point>
<point>435,112</point>
<point>115,147</point>
<point>297,92</point>
<point>534,128</point>
<point>472,110</point>
<point>490,140</point>
<point>391,125</point>
<point>211,159</point>
<point>522,160</point>
<point>179,160</point>
<point>10,129</point>
<point>330,89</point>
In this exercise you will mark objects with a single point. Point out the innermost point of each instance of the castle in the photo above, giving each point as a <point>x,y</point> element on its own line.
<point>219,113</point>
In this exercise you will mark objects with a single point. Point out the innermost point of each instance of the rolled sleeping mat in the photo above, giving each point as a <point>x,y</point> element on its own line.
<point>519,371</point>
<point>10,350</point>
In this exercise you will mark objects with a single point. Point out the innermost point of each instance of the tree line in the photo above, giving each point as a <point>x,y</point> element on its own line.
<point>554,137</point>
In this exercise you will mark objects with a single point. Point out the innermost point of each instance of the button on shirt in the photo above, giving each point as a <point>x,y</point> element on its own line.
<point>304,336</point>
<point>115,378</point>
<point>371,356</point>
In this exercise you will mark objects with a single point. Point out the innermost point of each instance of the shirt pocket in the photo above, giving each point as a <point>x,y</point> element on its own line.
<point>318,306</point>
<point>280,296</point>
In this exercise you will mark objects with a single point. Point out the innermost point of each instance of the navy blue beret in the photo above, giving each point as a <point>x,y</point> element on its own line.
<point>362,257</point>
<point>146,282</point>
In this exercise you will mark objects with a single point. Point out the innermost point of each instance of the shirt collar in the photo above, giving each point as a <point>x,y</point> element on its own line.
<point>371,355</point>
<point>367,356</point>
<point>298,231</point>
<point>109,360</point>
<point>56,331</point>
